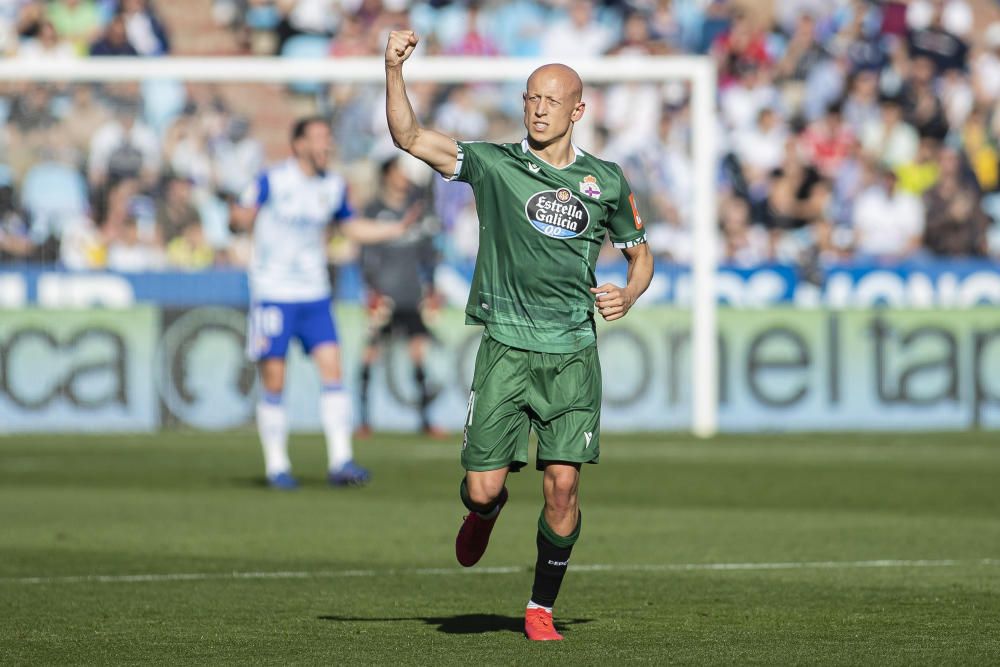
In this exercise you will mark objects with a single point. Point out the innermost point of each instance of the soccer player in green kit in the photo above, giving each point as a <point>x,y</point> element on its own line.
<point>544,208</point>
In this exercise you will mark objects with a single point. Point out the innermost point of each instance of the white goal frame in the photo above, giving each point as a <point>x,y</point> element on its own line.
<point>699,71</point>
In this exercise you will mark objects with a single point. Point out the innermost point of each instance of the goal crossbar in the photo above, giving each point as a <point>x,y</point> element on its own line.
<point>698,70</point>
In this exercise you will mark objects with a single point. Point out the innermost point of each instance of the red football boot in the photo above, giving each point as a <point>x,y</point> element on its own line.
<point>474,535</point>
<point>538,626</point>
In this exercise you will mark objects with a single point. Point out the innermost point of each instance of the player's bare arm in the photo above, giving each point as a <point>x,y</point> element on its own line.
<point>614,302</point>
<point>436,149</point>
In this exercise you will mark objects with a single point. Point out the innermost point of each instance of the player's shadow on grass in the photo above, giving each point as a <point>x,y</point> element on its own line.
<point>463,624</point>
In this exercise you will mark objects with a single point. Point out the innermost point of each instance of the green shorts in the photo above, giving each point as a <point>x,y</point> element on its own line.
<point>515,391</point>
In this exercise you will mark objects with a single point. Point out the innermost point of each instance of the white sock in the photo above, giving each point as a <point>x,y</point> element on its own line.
<point>335,413</point>
<point>535,605</point>
<point>272,425</point>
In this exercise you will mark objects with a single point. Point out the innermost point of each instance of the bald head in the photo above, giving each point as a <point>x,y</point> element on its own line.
<point>558,77</point>
<point>551,105</point>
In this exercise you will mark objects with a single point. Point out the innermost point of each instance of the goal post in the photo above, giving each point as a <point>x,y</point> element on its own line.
<point>698,71</point>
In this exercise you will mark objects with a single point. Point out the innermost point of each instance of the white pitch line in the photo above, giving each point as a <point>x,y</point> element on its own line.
<point>512,569</point>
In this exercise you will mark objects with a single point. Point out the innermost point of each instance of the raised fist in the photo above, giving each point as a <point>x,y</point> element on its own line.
<point>400,46</point>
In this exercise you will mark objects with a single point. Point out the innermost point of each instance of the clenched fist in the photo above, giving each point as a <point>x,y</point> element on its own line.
<point>400,46</point>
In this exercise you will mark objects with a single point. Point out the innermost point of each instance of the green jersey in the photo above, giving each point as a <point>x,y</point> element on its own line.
<point>541,229</point>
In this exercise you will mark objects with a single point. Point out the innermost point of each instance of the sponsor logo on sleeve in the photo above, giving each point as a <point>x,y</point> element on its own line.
<point>635,211</point>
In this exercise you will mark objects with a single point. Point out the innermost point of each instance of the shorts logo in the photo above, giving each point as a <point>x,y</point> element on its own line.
<point>557,213</point>
<point>588,435</point>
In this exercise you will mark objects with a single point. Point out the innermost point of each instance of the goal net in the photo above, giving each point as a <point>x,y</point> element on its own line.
<point>206,123</point>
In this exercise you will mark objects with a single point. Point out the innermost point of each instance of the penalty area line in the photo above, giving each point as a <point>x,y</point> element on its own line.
<point>512,569</point>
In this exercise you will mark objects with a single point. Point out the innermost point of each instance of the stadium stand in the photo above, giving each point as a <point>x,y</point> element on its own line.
<point>838,116</point>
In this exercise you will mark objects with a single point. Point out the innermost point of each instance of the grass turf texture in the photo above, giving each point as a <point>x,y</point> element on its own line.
<point>195,503</point>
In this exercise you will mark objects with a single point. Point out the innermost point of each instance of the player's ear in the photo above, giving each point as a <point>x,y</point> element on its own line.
<point>578,111</point>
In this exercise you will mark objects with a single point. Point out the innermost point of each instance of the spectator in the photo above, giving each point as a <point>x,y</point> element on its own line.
<point>82,247</point>
<point>751,92</point>
<point>129,252</point>
<point>956,15</point>
<point>124,148</point>
<point>944,48</point>
<point>956,224</point>
<point>175,209</point>
<point>981,149</point>
<point>460,116</point>
<point>660,173</point>
<point>825,86</point>
<point>826,142</point>
<point>88,115</point>
<point>888,223</point>
<point>922,173</point>
<point>744,244</point>
<point>921,104</point>
<point>858,41</point>
<point>186,151</point>
<point>636,39</point>
<point>144,30</point>
<point>352,39</point>
<point>577,35</point>
<point>15,236</point>
<point>761,149</point>
<point>474,41</point>
<point>861,105</point>
<point>802,53</point>
<point>237,157</point>
<point>189,250</point>
<point>743,47</point>
<point>797,194</point>
<point>31,111</point>
<point>986,66</point>
<point>957,98</point>
<point>304,17</point>
<point>84,242</point>
<point>30,15</point>
<point>78,21</point>
<point>46,45</point>
<point>665,27</point>
<point>713,24</point>
<point>890,139</point>
<point>114,41</point>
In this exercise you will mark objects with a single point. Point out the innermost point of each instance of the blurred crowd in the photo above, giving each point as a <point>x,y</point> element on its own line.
<point>850,130</point>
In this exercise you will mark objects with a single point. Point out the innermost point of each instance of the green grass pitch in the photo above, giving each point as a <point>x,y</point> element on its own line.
<point>858,549</point>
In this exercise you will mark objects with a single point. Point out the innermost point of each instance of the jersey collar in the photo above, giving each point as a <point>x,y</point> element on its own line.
<point>576,155</point>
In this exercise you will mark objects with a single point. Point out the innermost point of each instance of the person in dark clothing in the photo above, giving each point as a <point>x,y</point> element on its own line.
<point>956,224</point>
<point>114,41</point>
<point>946,50</point>
<point>399,278</point>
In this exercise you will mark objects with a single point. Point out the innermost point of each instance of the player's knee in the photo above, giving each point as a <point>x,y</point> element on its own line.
<point>561,504</point>
<point>483,492</point>
<point>273,383</point>
<point>561,494</point>
<point>484,496</point>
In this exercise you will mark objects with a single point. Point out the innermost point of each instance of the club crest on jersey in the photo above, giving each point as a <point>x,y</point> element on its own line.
<point>557,213</point>
<point>589,187</point>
